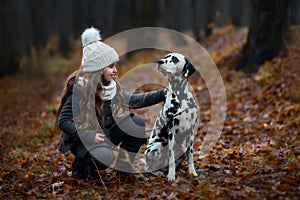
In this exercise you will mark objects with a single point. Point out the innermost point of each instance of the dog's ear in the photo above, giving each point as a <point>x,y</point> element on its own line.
<point>188,69</point>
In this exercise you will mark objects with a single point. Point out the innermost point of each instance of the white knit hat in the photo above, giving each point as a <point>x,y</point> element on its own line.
<point>96,54</point>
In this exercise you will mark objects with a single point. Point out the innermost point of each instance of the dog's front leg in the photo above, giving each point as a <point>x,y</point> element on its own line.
<point>190,142</point>
<point>172,164</point>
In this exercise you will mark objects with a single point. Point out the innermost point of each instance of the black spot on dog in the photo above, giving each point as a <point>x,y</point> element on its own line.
<point>188,148</point>
<point>159,140</point>
<point>170,122</point>
<point>163,133</point>
<point>176,122</point>
<point>175,107</point>
<point>175,59</point>
<point>151,143</point>
<point>170,136</point>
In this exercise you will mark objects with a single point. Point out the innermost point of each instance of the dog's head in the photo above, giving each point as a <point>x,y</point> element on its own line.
<point>174,64</point>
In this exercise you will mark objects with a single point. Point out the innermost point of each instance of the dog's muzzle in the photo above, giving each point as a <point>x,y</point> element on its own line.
<point>159,63</point>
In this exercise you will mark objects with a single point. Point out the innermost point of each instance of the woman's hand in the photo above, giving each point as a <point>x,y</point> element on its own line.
<point>166,90</point>
<point>100,137</point>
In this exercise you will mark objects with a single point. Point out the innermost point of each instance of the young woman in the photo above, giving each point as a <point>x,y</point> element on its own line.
<point>92,112</point>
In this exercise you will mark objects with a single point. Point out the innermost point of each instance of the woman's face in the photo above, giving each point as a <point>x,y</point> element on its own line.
<point>109,72</point>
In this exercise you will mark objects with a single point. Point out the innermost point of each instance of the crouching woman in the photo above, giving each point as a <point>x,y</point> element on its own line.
<point>91,113</point>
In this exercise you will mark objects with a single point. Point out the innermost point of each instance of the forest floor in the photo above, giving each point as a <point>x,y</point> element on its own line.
<point>256,157</point>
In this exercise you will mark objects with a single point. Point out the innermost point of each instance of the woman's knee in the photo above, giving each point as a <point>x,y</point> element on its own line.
<point>102,155</point>
<point>138,120</point>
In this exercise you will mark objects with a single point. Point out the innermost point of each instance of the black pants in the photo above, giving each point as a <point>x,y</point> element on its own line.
<point>128,131</point>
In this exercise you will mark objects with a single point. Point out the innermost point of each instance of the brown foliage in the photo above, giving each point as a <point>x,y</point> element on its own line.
<point>256,157</point>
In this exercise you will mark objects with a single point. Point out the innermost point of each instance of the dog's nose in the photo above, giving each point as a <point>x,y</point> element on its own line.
<point>160,62</point>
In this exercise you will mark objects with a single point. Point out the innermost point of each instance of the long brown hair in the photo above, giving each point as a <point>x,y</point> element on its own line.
<point>82,83</point>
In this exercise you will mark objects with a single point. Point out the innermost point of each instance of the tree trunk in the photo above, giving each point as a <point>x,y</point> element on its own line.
<point>266,34</point>
<point>195,19</point>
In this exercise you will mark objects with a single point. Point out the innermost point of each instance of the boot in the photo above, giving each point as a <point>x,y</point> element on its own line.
<point>80,168</point>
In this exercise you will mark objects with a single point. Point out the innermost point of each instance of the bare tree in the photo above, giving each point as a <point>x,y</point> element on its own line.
<point>195,19</point>
<point>266,33</point>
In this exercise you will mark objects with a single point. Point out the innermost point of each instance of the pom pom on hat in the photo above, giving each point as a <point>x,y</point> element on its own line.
<point>90,35</point>
<point>96,54</point>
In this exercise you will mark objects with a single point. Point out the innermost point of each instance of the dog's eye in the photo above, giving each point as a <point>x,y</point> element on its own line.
<point>175,60</point>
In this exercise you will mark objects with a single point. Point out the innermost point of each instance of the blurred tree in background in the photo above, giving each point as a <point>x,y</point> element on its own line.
<point>267,32</point>
<point>29,26</point>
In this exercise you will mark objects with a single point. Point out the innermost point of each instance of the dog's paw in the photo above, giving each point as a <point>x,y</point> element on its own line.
<point>171,177</point>
<point>192,171</point>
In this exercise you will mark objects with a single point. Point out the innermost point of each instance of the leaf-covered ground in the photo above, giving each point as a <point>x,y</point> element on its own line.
<point>256,157</point>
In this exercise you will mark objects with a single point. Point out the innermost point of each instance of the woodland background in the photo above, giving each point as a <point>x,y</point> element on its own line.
<point>258,153</point>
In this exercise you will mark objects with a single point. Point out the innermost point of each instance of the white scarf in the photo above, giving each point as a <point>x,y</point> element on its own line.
<point>110,91</point>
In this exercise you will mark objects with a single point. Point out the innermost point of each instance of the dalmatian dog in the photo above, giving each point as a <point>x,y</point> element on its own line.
<point>173,133</point>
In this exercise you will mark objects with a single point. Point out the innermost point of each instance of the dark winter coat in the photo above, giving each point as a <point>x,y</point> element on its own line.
<point>72,140</point>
